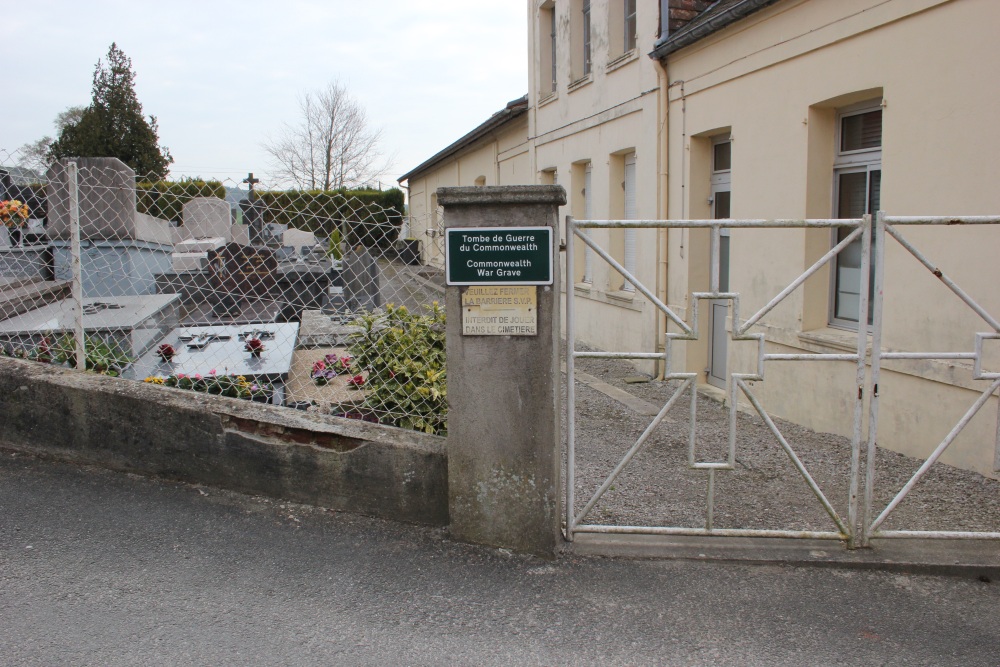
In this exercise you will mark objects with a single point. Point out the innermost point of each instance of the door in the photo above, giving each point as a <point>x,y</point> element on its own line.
<point>719,309</point>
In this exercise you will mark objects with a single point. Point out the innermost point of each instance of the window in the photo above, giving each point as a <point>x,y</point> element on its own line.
<point>621,28</point>
<point>629,36</point>
<point>579,42</point>
<point>722,151</point>
<point>547,48</point>
<point>857,189</point>
<point>552,44</point>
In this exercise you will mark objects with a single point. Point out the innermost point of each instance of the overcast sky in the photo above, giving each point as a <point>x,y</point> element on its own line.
<point>221,78</point>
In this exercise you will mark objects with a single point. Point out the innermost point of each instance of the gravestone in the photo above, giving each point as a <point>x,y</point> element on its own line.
<point>207,226</point>
<point>206,218</point>
<point>123,250</point>
<point>297,238</point>
<point>360,274</point>
<point>238,273</point>
<point>253,218</point>
<point>106,188</point>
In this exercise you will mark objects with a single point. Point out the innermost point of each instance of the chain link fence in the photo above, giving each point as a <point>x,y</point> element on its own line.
<point>310,300</point>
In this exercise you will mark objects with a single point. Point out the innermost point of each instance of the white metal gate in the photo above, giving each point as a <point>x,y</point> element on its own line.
<point>861,523</point>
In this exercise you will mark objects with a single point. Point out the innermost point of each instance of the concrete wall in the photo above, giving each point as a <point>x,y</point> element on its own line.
<point>775,82</point>
<point>248,447</point>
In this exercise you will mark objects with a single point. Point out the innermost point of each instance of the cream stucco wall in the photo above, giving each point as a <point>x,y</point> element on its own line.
<point>599,119</point>
<point>501,158</point>
<point>775,82</point>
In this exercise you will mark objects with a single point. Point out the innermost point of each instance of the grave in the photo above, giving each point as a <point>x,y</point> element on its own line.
<point>298,239</point>
<point>360,275</point>
<point>130,324</point>
<point>303,276</point>
<point>207,226</point>
<point>200,350</point>
<point>122,249</point>
<point>239,274</point>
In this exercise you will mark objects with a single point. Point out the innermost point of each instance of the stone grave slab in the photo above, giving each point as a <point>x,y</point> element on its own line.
<point>201,349</point>
<point>132,324</point>
<point>192,255</point>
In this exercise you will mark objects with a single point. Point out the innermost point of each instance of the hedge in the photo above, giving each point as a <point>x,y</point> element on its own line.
<point>369,217</point>
<point>166,199</point>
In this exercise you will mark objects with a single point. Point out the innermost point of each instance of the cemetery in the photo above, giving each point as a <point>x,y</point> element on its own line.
<point>203,285</point>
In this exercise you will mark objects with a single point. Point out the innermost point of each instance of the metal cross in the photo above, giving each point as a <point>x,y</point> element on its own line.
<point>260,334</point>
<point>250,180</point>
<point>199,341</point>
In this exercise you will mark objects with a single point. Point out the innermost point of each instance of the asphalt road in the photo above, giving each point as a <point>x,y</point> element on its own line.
<point>102,568</point>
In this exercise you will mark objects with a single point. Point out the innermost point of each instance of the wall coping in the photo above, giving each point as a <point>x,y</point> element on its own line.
<point>502,194</point>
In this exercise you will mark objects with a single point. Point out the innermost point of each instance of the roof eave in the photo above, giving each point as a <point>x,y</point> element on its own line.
<point>698,29</point>
<point>513,110</point>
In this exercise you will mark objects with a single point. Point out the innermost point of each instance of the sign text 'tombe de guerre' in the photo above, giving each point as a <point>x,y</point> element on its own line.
<point>499,255</point>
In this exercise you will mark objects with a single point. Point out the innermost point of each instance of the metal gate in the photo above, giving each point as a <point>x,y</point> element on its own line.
<point>864,519</point>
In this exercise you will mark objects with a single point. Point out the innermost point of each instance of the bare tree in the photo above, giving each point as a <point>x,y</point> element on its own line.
<point>35,155</point>
<point>331,146</point>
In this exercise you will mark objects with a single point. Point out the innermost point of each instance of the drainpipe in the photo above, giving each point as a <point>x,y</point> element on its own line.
<point>663,210</point>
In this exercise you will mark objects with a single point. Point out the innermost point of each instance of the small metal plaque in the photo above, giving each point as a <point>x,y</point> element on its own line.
<point>500,310</point>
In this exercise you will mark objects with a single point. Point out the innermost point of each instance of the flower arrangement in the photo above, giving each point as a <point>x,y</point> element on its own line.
<point>254,346</point>
<point>220,385</point>
<point>13,213</point>
<point>330,367</point>
<point>166,352</point>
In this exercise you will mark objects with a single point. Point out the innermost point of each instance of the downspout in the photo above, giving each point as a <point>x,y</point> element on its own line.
<point>663,210</point>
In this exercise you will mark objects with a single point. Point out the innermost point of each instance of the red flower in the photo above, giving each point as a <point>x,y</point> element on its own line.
<point>166,352</point>
<point>356,381</point>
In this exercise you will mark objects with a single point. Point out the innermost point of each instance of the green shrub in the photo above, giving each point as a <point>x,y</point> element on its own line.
<point>166,199</point>
<point>403,356</point>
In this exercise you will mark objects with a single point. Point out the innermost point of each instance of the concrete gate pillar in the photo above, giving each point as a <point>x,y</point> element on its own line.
<point>504,438</point>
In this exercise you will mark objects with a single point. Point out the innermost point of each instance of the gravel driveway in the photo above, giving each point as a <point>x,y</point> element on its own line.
<point>765,491</point>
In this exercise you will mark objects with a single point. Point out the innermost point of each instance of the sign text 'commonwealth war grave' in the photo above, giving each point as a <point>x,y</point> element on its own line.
<point>499,255</point>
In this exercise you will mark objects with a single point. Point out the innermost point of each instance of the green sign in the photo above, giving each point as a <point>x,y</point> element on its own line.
<point>498,255</point>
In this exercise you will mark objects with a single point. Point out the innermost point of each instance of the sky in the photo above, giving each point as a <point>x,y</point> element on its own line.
<point>224,77</point>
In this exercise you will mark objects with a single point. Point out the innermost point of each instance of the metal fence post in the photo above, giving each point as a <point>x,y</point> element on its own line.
<point>77,280</point>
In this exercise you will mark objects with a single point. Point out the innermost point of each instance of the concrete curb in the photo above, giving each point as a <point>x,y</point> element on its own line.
<point>976,558</point>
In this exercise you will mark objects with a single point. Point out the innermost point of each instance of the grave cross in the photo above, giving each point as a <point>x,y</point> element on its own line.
<point>251,181</point>
<point>199,341</point>
<point>260,334</point>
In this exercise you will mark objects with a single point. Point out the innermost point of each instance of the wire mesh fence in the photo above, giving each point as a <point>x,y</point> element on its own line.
<point>304,299</point>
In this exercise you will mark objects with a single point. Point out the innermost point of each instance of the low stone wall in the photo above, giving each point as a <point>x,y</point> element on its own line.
<point>249,447</point>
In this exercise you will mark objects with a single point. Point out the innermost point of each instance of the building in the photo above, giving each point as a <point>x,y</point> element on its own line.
<point>690,109</point>
<point>494,153</point>
<point>812,109</point>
